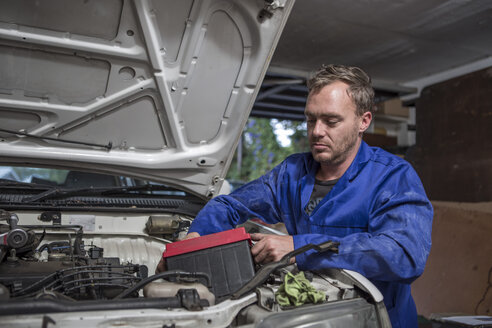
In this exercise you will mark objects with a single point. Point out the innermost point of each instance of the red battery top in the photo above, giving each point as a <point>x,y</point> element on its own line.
<point>207,241</point>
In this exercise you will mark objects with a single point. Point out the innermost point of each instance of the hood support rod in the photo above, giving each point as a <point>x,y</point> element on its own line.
<point>108,146</point>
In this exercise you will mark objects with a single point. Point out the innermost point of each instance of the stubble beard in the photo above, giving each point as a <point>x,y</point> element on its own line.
<point>340,152</point>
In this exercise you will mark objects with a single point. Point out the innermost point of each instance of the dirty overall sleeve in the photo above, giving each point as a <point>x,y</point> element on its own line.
<point>256,199</point>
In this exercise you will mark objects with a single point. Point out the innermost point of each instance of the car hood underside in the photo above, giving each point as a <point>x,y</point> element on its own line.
<point>151,89</point>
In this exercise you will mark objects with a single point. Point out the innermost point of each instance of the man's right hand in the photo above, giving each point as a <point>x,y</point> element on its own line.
<point>271,248</point>
<point>161,267</point>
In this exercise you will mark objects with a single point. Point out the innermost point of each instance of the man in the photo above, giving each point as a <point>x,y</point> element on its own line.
<point>370,201</point>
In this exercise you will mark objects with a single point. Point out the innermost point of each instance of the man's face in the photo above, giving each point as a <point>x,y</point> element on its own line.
<point>333,125</point>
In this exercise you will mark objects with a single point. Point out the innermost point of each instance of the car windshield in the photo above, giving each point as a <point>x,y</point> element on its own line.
<point>69,179</point>
<point>28,188</point>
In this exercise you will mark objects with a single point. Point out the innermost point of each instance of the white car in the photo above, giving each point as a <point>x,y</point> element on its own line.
<point>118,122</point>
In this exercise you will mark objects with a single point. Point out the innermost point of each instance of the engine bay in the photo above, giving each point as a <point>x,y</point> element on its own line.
<point>104,262</point>
<point>66,268</point>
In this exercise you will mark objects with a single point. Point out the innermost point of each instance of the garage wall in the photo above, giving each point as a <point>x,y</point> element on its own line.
<point>453,152</point>
<point>453,156</point>
<point>457,278</point>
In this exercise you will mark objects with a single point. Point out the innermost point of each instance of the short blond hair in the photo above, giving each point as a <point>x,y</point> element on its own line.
<point>360,89</point>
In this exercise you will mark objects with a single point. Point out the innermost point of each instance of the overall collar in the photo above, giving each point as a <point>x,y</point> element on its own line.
<point>363,156</point>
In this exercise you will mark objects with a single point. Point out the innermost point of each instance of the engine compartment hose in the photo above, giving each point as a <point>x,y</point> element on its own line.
<point>163,275</point>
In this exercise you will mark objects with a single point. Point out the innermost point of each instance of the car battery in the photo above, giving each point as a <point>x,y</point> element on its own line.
<point>224,256</point>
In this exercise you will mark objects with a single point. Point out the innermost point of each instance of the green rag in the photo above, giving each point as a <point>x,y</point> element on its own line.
<point>297,290</point>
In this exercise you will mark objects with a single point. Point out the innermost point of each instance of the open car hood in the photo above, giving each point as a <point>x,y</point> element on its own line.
<point>158,90</point>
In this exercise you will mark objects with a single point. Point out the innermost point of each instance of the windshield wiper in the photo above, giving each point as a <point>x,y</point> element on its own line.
<point>13,183</point>
<point>60,192</point>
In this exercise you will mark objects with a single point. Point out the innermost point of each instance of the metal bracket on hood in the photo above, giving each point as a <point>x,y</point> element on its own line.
<point>275,4</point>
<point>270,7</point>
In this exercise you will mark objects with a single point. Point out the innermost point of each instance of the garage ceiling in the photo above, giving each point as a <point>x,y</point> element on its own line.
<point>403,44</point>
<point>395,41</point>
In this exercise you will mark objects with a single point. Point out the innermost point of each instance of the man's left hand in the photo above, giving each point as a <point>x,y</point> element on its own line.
<point>271,248</point>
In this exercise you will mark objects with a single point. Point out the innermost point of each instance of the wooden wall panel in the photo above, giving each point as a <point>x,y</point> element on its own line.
<point>453,154</point>
<point>457,274</point>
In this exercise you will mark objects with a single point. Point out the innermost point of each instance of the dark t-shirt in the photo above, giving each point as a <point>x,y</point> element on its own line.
<point>320,190</point>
